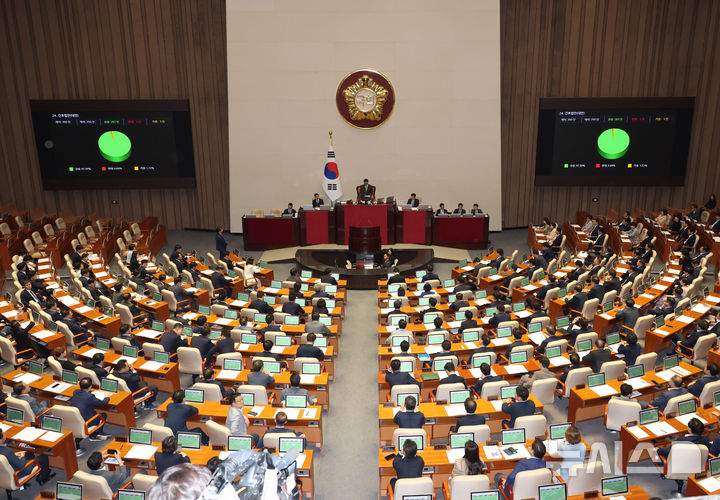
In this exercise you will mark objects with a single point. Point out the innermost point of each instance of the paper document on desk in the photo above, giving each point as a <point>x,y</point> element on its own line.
<point>515,369</point>
<point>292,413</point>
<point>190,316</point>
<point>688,416</point>
<point>130,360</point>
<point>647,296</point>
<point>101,394</point>
<point>657,287</point>
<point>606,316</point>
<point>307,379</point>
<point>454,453</point>
<point>152,366</point>
<point>455,410</point>
<point>470,345</point>
<point>604,390</point>
<point>681,371</point>
<point>42,334</point>
<point>10,314</point>
<point>385,310</point>
<point>467,268</point>
<point>141,452</point>
<point>223,321</point>
<point>700,308</point>
<point>310,413</point>
<point>454,324</point>
<point>28,434</point>
<point>523,314</point>
<point>537,337</point>
<point>238,303</point>
<point>662,333</point>
<point>559,361</point>
<point>51,436</point>
<point>673,271</point>
<point>230,374</point>
<point>83,309</point>
<point>277,349</point>
<point>481,302</point>
<point>92,352</point>
<point>665,375</point>
<point>499,342</point>
<point>496,277</point>
<point>497,404</point>
<point>449,289</point>
<point>638,383</point>
<point>300,460</point>
<point>191,289</point>
<point>520,452</point>
<point>148,334</point>
<point>433,349</point>
<point>660,428</point>
<point>711,484</point>
<point>492,452</point>
<point>26,378</point>
<point>58,387</point>
<point>638,432</point>
<point>684,319</point>
<point>529,288</point>
<point>442,375</point>
<point>478,374</point>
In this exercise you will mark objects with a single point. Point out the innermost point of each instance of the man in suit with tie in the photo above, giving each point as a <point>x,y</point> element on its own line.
<point>452,377</point>
<point>519,406</point>
<point>691,239</point>
<point>476,210</point>
<point>441,210</point>
<point>413,201</point>
<point>628,315</point>
<point>597,291</point>
<point>501,256</point>
<point>181,294</point>
<point>459,210</point>
<point>430,275</point>
<point>397,377</point>
<point>317,202</point>
<point>365,192</point>
<point>597,242</point>
<point>408,417</point>
<point>289,210</point>
<point>220,242</point>
<point>577,301</point>
<point>260,305</point>
<point>124,371</point>
<point>28,294</point>
<point>710,374</point>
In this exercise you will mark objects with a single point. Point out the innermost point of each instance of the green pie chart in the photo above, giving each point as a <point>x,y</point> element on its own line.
<point>613,143</point>
<point>114,146</point>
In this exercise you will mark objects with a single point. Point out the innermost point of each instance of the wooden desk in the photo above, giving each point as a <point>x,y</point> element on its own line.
<point>634,493</point>
<point>109,326</point>
<point>695,489</point>
<point>265,233</point>
<point>61,453</point>
<point>461,232</point>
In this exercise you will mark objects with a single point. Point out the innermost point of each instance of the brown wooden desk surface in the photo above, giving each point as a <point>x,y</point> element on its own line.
<point>695,489</point>
<point>62,452</point>
<point>108,324</point>
<point>634,493</point>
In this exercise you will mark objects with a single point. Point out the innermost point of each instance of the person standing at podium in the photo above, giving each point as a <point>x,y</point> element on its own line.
<point>365,192</point>
<point>413,201</point>
<point>317,202</point>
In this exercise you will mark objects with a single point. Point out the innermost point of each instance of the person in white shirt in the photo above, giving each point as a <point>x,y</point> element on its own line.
<point>236,419</point>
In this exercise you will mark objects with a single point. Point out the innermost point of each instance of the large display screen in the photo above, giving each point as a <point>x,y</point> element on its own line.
<point>613,141</point>
<point>110,144</point>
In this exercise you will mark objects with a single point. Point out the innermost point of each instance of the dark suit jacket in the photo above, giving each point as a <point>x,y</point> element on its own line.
<point>170,342</point>
<point>697,387</point>
<point>261,306</point>
<point>468,323</point>
<point>490,378</point>
<point>408,468</point>
<point>470,419</point>
<point>309,351</point>
<point>222,346</point>
<point>27,295</point>
<point>518,409</point>
<point>18,463</point>
<point>661,400</point>
<point>317,203</point>
<point>132,379</point>
<point>631,352</point>
<point>86,402</point>
<point>203,344</point>
<point>397,278</point>
<point>596,292</point>
<point>177,415</point>
<point>399,378</point>
<point>597,357</point>
<point>430,276</point>
<point>629,316</point>
<point>577,301</point>
<point>164,461</point>
<point>220,243</point>
<point>409,419</point>
<point>612,284</point>
<point>568,369</point>
<point>453,379</point>
<point>99,370</point>
<point>293,308</point>
<point>499,318</point>
<point>413,203</point>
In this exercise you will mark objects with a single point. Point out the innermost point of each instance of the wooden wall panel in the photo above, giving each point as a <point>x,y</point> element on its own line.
<point>606,48</point>
<point>117,49</point>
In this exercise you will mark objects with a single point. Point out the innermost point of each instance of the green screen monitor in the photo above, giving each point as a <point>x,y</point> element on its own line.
<point>68,491</point>
<point>552,492</point>
<point>558,431</point>
<point>458,439</point>
<point>513,436</point>
<point>635,371</point>
<point>237,443</point>
<point>419,441</point>
<point>286,444</point>
<point>613,486</point>
<point>296,401</point>
<point>189,440</point>
<point>648,416</point>
<point>140,436</point>
<point>459,396</point>
<point>51,423</point>
<point>518,357</point>
<point>595,379</point>
<point>108,385</point>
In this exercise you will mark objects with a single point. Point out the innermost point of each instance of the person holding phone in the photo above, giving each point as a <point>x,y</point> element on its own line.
<point>407,463</point>
<point>169,455</point>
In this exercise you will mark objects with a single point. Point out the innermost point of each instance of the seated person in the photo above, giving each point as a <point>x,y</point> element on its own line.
<point>485,347</point>
<point>18,460</point>
<point>289,210</point>
<point>517,341</point>
<point>315,326</point>
<point>224,345</point>
<point>501,316</point>
<point>696,428</point>
<point>469,321</point>
<point>116,478</point>
<point>258,376</point>
<point>429,274</point>
<point>60,356</point>
<point>427,289</point>
<point>535,462</point>
<point>86,402</point>
<point>710,374</point>
<point>280,421</point>
<point>459,209</point>
<point>486,377</point>
<point>267,350</point>
<point>317,202</point>
<point>202,342</point>
<point>169,455</point>
<point>441,211</point>
<point>543,373</point>
<point>271,326</point>
<point>296,390</point>
<point>691,338</point>
<point>626,391</point>
<point>309,350</point>
<point>321,307</point>
<point>407,463</point>
<point>22,391</point>
<point>177,414</point>
<point>365,192</point>
<point>320,292</point>
<point>598,356</point>
<point>574,364</point>
<point>518,406</point>
<point>409,417</point>
<point>630,349</point>
<point>291,307</point>
<point>476,210</point>
<point>96,365</point>
<point>471,418</point>
<point>459,303</point>
<point>396,278</point>
<point>413,201</point>
<point>172,339</point>
<point>208,377</point>
<point>451,376</point>
<point>395,377</point>
<point>260,305</point>
<point>675,388</point>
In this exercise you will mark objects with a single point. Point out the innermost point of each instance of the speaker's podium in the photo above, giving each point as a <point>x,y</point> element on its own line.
<point>381,215</point>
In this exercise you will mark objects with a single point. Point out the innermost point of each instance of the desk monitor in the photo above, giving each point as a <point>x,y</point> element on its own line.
<point>504,332</point>
<point>189,440</point>
<point>35,368</point>
<point>398,339</point>
<point>52,326</point>
<point>161,357</point>
<point>508,391</point>
<point>406,366</point>
<point>534,327</point>
<point>140,436</point>
<point>304,287</point>
<point>490,312</point>
<point>15,416</point>
<point>626,296</point>
<point>158,326</point>
<point>108,384</point>
<point>130,351</point>
<point>237,443</point>
<point>584,345</point>
<point>320,342</point>
<point>420,274</point>
<point>102,343</point>
<point>194,395</point>
<point>418,439</point>
<point>35,316</point>
<point>306,274</point>
<point>215,333</point>
<point>286,444</point>
<point>448,283</point>
<point>635,371</point>
<point>687,406</point>
<point>269,300</point>
<point>295,401</point>
<point>232,274</point>
<point>91,302</point>
<point>69,377</point>
<point>292,320</point>
<point>393,288</point>
<point>479,360</point>
<point>607,306</point>
<point>595,379</point>
<point>541,276</point>
<point>311,368</point>
<point>557,431</point>
<point>187,331</point>
<point>648,416</point>
<point>400,397</point>
<point>553,351</point>
<point>423,301</point>
<point>272,367</point>
<point>458,439</point>
<point>513,436</point>
<point>326,320</point>
<point>283,341</point>
<point>68,491</point>
<point>659,321</point>
<point>276,284</point>
<point>670,361</point>
<point>471,336</point>
<point>562,293</point>
<point>336,276</point>
<point>232,364</point>
<point>518,306</point>
<point>462,263</point>
<point>244,297</point>
<point>714,466</point>
<point>435,338</point>
<point>518,357</point>
<point>612,338</point>
<point>612,486</point>
<point>248,338</point>
<point>130,495</point>
<point>429,318</point>
<point>562,322</point>
<point>459,396</point>
<point>51,423</point>
<point>395,319</point>
<point>552,492</point>
<point>231,314</point>
<point>248,398</point>
<point>481,294</point>
<point>439,364</point>
<point>262,264</point>
<point>493,271</point>
<point>204,310</point>
<point>485,495</point>
<point>331,289</point>
<point>716,398</point>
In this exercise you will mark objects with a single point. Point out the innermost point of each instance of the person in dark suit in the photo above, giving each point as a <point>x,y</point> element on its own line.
<point>309,350</point>
<point>476,210</point>
<point>396,377</point>
<point>462,284</point>
<point>598,356</point>
<point>317,202</point>
<point>260,305</point>
<point>208,378</point>
<point>177,258</point>
<point>452,376</point>
<point>597,291</point>
<point>181,294</point>
<point>459,303</point>
<point>630,349</point>
<point>290,210</point>
<point>517,336</point>
<point>177,414</point>
<point>500,317</point>
<point>599,239</point>
<point>169,456</point>
<point>628,315</point>
<point>18,463</point>
<point>535,462</point>
<point>675,388</point>
<point>220,242</point>
<point>518,406</point>
<point>407,417</point>
<point>86,402</point>
<point>486,377</point>
<point>96,365</point>
<point>28,294</point>
<point>365,192</point>
<point>124,371</point>
<point>280,421</point>
<point>225,344</point>
<point>430,275</point>
<point>612,282</point>
<point>696,428</point>
<point>25,342</point>
<point>293,308</point>
<point>396,278</point>
<point>692,337</point>
<point>407,464</point>
<point>172,339</point>
<point>710,374</point>
<point>221,283</point>
<point>115,478</point>
<point>691,239</point>
<point>76,257</point>
<point>413,201</point>
<point>577,301</point>
<point>574,364</point>
<point>328,278</point>
<point>320,292</point>
<point>469,322</point>
<point>441,210</point>
<point>202,342</point>
<point>668,307</point>
<point>471,418</point>
<point>460,210</point>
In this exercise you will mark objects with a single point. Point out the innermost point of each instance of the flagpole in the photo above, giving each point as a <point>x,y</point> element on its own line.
<point>332,202</point>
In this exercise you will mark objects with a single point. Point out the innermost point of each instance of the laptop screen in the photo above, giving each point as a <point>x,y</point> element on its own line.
<point>270,300</point>
<point>406,366</point>
<point>448,283</point>
<point>584,345</point>
<point>458,439</point>
<point>248,398</point>
<point>648,416</point>
<point>292,320</point>
<point>311,368</point>
<point>244,297</point>
<point>435,338</point>
<point>518,306</point>
<point>595,379</point>
<point>459,396</point>
<point>194,395</point>
<point>326,320</point>
<point>481,294</point>
<point>130,495</point>
<point>283,341</point>
<point>557,431</point>
<point>187,331</point>
<point>140,436</point>
<point>607,306</point>
<point>398,339</point>
<point>51,423</point>
<point>161,357</point>
<point>102,343</point>
<point>204,310</point>
<point>553,352</point>
<point>395,319</point>
<point>248,338</point>
<point>320,342</point>
<point>420,274</point>
<point>68,491</point>
<point>259,318</point>
<point>69,377</point>
<point>491,311</point>
<point>439,364</point>
<point>306,274</point>
<point>471,336</point>
<point>189,440</point>
<point>429,318</point>
<point>635,371</point>
<point>479,360</point>
<point>612,486</point>
<point>109,384</point>
<point>419,441</point>
<point>670,361</point>
<point>291,443</point>
<point>552,492</point>
<point>400,397</point>
<point>534,327</point>
<point>504,332</point>
<point>508,391</point>
<point>271,366</point>
<point>331,288</point>
<point>231,314</point>
<point>485,495</point>
<point>518,357</point>
<point>158,326</point>
<point>15,416</point>
<point>424,301</point>
<point>295,401</point>
<point>232,364</point>
<point>513,436</point>
<point>716,398</point>
<point>276,284</point>
<point>685,407</point>
<point>35,368</point>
